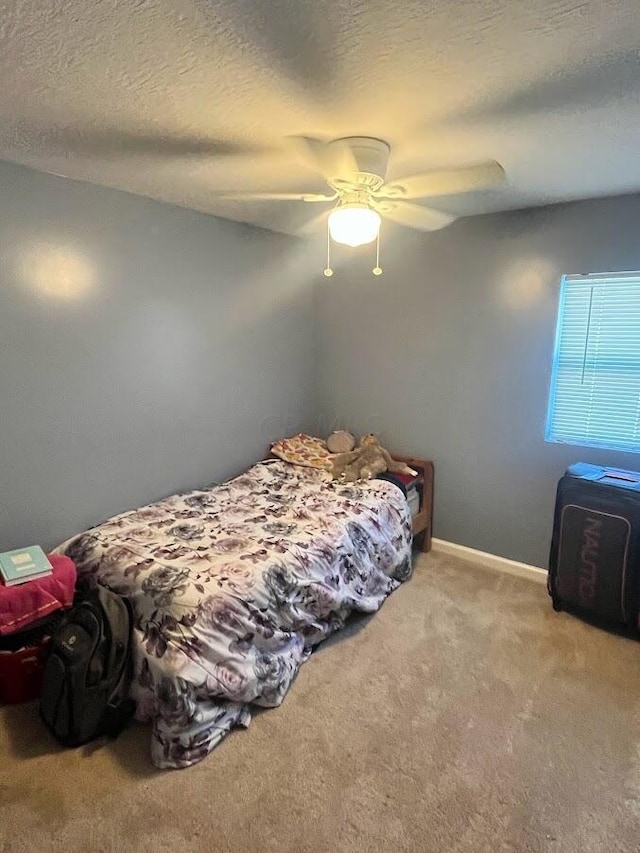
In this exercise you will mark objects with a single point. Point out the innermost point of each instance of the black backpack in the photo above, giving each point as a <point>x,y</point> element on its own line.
<point>85,692</point>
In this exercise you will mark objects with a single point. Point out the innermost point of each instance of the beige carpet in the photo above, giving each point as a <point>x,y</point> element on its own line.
<point>465,716</point>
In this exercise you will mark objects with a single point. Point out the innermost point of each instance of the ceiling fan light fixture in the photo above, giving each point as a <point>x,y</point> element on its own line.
<point>354,224</point>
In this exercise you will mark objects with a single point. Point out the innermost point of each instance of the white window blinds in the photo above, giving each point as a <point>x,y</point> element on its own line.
<point>594,398</point>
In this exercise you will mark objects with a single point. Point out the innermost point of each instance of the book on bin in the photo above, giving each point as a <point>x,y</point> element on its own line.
<point>24,564</point>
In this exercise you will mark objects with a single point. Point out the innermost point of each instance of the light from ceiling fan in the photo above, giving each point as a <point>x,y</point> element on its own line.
<point>354,224</point>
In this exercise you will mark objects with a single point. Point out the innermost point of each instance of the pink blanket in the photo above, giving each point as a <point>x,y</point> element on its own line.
<point>29,602</point>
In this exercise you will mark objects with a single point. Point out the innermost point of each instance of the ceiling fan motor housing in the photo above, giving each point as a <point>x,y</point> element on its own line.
<point>371,157</point>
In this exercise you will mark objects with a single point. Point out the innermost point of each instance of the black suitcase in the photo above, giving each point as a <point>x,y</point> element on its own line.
<point>594,564</point>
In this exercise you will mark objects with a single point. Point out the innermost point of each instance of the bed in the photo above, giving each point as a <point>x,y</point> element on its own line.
<point>232,586</point>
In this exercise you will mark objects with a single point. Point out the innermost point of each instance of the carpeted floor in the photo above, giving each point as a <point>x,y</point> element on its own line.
<point>465,716</point>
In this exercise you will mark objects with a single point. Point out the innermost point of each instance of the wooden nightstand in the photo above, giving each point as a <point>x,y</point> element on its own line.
<point>423,521</point>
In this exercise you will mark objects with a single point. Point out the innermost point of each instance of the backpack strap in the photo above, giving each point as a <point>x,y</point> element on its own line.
<point>120,707</point>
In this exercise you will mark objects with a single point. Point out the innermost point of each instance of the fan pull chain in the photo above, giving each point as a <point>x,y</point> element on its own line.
<point>327,270</point>
<point>377,270</point>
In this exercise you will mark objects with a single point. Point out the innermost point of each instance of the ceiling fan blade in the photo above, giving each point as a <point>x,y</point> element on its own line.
<point>331,160</point>
<point>445,182</point>
<point>317,225</point>
<point>118,143</point>
<point>273,196</point>
<point>413,215</point>
<point>601,79</point>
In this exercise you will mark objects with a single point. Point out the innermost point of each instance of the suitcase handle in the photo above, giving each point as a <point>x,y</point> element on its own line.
<point>618,475</point>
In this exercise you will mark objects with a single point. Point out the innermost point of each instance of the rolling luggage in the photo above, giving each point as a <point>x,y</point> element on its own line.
<point>594,564</point>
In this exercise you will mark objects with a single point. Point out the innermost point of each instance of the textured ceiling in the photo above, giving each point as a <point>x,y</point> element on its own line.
<point>175,98</point>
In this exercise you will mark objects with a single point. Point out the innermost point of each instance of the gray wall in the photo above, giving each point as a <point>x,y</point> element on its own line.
<point>143,349</point>
<point>448,355</point>
<point>146,349</point>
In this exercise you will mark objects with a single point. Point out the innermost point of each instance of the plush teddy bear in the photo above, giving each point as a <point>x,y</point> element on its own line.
<point>340,441</point>
<point>367,460</point>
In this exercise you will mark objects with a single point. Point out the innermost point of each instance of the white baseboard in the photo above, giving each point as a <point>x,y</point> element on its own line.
<point>490,561</point>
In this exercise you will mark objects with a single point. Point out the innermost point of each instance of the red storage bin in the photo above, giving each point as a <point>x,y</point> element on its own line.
<point>29,616</point>
<point>21,672</point>
<point>22,659</point>
<point>27,604</point>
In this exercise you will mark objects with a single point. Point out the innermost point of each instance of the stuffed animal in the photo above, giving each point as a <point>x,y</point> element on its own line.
<point>368,460</point>
<point>340,441</point>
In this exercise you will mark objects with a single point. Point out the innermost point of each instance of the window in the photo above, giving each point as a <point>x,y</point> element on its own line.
<point>594,398</point>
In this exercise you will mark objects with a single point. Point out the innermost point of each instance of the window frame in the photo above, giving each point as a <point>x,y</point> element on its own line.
<point>552,395</point>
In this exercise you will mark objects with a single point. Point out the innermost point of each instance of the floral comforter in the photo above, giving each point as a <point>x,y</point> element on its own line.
<point>233,585</point>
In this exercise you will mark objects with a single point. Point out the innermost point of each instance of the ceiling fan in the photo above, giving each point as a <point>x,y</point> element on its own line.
<point>355,168</point>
